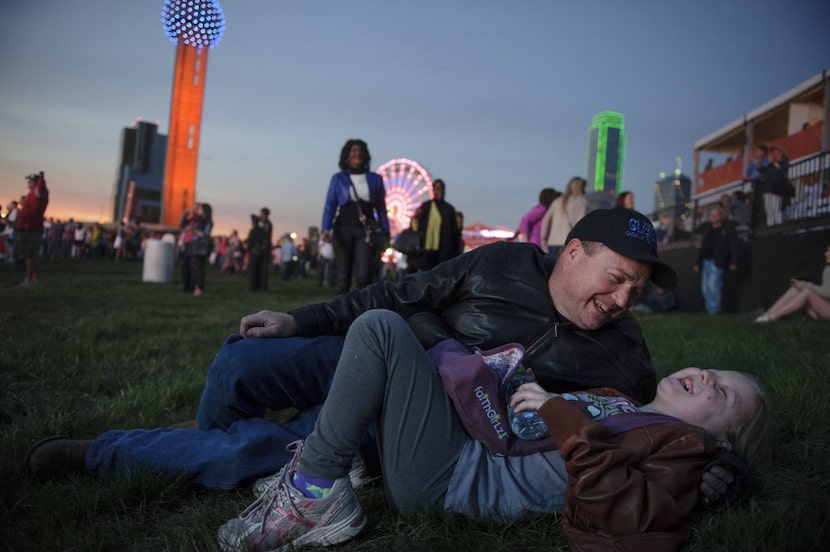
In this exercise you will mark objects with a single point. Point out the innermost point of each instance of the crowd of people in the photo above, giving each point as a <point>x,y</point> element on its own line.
<point>772,191</point>
<point>355,233</point>
<point>69,239</point>
<point>768,197</point>
<point>734,219</point>
<point>349,253</point>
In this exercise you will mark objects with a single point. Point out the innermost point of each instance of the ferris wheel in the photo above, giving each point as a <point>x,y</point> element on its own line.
<point>408,185</point>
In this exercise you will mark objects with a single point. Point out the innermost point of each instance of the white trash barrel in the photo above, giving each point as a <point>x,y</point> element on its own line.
<point>158,261</point>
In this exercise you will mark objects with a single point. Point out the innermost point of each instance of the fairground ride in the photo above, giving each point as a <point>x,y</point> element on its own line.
<point>408,185</point>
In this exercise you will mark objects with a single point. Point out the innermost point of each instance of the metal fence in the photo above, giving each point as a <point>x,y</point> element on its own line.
<point>810,177</point>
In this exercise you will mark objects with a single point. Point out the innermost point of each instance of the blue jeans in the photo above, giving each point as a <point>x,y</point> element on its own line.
<point>711,283</point>
<point>233,444</point>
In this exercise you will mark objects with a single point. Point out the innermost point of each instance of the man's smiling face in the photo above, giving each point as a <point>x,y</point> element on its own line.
<point>592,284</point>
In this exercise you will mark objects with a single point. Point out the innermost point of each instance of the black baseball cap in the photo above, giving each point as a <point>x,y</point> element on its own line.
<point>630,234</point>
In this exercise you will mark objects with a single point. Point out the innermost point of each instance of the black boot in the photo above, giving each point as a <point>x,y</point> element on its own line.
<point>56,457</point>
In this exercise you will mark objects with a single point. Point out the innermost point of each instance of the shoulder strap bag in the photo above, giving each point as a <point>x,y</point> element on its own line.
<point>375,236</point>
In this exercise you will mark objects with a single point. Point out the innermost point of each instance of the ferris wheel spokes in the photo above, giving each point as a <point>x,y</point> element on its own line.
<point>408,185</point>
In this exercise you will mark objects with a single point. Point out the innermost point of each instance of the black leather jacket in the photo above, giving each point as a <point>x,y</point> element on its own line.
<point>494,295</point>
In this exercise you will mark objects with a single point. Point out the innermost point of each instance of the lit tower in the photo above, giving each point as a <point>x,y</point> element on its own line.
<point>192,25</point>
<point>606,152</point>
<point>672,195</point>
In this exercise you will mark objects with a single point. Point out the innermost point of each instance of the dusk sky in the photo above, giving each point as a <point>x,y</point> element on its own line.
<point>494,97</point>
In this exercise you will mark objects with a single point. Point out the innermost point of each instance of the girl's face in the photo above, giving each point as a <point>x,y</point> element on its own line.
<point>712,399</point>
<point>355,158</point>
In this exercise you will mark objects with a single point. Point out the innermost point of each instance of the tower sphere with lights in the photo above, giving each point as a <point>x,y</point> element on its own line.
<point>197,23</point>
<point>194,26</point>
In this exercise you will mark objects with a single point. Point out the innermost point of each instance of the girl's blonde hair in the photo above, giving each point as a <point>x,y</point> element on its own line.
<point>750,438</point>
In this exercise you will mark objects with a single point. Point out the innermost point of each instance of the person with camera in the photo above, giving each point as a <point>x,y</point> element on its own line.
<point>30,225</point>
<point>354,217</point>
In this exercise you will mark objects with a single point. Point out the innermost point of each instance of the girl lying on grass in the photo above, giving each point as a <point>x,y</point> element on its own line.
<point>633,489</point>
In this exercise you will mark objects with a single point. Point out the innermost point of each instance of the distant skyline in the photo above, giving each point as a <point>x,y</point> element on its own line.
<point>493,97</point>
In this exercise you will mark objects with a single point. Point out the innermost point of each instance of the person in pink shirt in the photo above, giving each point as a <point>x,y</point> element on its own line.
<point>530,227</point>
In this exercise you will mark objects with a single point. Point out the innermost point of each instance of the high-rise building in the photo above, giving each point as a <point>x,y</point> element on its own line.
<point>606,153</point>
<point>140,178</point>
<point>673,197</point>
<point>193,25</point>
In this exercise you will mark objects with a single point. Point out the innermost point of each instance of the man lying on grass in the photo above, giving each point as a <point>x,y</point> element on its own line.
<point>621,474</point>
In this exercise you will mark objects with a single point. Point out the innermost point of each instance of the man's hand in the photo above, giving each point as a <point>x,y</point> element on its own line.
<point>726,481</point>
<point>268,324</point>
<point>714,483</point>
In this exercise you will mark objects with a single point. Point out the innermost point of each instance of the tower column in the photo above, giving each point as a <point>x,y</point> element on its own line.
<point>185,126</point>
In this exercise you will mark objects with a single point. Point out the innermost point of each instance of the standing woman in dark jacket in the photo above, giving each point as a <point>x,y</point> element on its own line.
<point>258,245</point>
<point>197,245</point>
<point>354,255</point>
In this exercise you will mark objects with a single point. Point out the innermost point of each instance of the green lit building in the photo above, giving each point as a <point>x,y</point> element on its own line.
<point>606,153</point>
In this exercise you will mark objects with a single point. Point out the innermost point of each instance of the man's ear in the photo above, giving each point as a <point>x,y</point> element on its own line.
<point>572,248</point>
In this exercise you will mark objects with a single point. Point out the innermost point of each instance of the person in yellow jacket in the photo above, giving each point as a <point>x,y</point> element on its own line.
<point>438,221</point>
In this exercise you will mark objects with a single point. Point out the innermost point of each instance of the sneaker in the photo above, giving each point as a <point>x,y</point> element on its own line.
<point>26,282</point>
<point>763,318</point>
<point>283,515</point>
<point>358,475</point>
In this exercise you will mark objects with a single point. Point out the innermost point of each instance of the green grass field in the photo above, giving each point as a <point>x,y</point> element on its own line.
<point>94,348</point>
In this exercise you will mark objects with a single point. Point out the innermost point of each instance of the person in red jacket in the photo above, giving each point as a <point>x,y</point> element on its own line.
<point>30,225</point>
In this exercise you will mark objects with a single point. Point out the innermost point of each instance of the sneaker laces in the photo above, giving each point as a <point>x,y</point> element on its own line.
<point>277,495</point>
<point>280,498</point>
<point>297,448</point>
